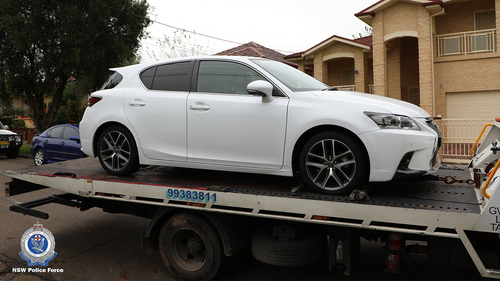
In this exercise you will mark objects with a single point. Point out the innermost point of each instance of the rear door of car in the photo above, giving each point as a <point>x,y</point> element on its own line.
<point>227,126</point>
<point>155,106</point>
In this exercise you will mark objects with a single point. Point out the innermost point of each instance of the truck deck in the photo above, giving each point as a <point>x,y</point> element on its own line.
<point>424,207</point>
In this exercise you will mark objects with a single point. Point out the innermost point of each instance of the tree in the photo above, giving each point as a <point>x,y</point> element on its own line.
<point>44,43</point>
<point>181,44</point>
<point>368,31</point>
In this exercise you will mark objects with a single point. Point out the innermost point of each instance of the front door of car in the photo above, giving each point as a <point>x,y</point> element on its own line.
<point>155,106</point>
<point>227,126</point>
<point>52,143</point>
<point>70,149</point>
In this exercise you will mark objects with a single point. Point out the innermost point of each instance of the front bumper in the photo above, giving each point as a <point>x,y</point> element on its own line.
<point>403,153</point>
<point>10,142</point>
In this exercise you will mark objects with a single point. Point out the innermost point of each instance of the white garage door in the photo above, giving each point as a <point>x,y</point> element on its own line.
<point>473,105</point>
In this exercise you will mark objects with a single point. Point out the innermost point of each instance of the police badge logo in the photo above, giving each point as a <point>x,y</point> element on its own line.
<point>37,246</point>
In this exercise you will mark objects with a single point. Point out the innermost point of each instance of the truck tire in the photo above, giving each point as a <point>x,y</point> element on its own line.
<point>117,151</point>
<point>190,247</point>
<point>305,251</point>
<point>12,154</point>
<point>333,163</point>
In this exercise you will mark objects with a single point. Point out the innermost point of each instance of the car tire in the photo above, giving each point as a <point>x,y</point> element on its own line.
<point>12,154</point>
<point>333,163</point>
<point>302,251</point>
<point>39,157</point>
<point>190,247</point>
<point>117,151</point>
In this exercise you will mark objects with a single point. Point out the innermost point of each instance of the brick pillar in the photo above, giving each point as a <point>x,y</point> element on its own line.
<point>379,56</point>
<point>301,66</point>
<point>425,60</point>
<point>359,65</point>
<point>320,68</point>
<point>394,69</point>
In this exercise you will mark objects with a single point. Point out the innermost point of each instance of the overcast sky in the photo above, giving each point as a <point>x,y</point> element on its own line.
<point>290,25</point>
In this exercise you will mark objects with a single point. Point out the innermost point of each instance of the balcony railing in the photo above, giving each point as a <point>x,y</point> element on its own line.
<point>459,137</point>
<point>464,43</point>
<point>345,87</point>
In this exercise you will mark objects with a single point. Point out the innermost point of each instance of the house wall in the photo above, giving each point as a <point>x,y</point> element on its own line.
<point>472,75</point>
<point>460,16</point>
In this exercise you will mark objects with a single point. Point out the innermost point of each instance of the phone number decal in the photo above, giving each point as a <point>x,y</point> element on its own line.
<point>194,196</point>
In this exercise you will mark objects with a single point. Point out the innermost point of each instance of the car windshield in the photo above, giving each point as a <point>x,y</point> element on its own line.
<point>293,78</point>
<point>1,126</point>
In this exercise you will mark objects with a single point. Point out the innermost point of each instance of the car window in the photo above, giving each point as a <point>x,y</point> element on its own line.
<point>69,132</point>
<point>170,77</point>
<point>112,81</point>
<point>225,77</point>
<point>147,77</point>
<point>55,133</point>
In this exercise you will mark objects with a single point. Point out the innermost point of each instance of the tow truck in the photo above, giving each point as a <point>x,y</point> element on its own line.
<point>197,217</point>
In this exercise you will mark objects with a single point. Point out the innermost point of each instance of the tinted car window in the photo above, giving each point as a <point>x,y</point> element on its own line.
<point>55,133</point>
<point>172,77</point>
<point>147,77</point>
<point>112,81</point>
<point>69,132</point>
<point>225,77</point>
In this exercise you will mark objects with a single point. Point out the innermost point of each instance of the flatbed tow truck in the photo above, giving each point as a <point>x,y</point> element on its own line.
<point>198,217</point>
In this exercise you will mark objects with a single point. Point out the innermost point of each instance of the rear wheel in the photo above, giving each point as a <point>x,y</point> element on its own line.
<point>39,157</point>
<point>190,247</point>
<point>333,163</point>
<point>117,151</point>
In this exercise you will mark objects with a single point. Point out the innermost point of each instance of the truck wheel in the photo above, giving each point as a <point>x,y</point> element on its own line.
<point>190,247</point>
<point>117,151</point>
<point>333,163</point>
<point>302,251</point>
<point>39,157</point>
<point>12,154</point>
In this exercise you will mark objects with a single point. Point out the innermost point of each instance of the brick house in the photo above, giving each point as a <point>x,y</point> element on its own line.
<point>441,55</point>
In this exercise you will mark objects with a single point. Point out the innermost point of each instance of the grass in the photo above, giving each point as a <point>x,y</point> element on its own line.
<point>25,149</point>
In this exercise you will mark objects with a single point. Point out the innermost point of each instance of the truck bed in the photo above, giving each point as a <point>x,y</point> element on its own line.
<point>426,193</point>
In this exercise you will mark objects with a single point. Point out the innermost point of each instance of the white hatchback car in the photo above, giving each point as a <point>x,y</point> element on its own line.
<point>254,115</point>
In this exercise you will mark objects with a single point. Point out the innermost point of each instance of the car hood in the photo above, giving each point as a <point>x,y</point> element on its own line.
<point>370,102</point>
<point>6,132</point>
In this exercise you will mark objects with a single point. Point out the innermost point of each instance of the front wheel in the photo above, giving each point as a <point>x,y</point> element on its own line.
<point>333,163</point>
<point>12,154</point>
<point>190,247</point>
<point>117,151</point>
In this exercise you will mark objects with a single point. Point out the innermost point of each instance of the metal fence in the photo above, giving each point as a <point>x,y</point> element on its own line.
<point>458,138</point>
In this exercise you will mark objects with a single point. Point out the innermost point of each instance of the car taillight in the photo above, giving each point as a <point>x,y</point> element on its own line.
<point>93,100</point>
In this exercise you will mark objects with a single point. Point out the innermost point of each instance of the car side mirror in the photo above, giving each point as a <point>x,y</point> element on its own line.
<point>6,127</point>
<point>261,88</point>
<point>75,138</point>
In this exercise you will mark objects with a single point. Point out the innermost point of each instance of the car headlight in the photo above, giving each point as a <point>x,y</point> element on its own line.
<point>14,138</point>
<point>393,121</point>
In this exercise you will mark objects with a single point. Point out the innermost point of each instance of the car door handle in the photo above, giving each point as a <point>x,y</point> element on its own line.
<point>137,102</point>
<point>200,106</point>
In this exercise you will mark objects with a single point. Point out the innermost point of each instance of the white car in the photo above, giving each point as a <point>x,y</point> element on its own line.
<point>254,115</point>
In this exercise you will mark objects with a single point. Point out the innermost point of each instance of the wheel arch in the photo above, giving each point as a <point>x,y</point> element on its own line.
<point>103,127</point>
<point>230,231</point>
<point>319,129</point>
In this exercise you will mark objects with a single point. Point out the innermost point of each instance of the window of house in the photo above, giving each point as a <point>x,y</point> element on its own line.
<point>225,77</point>
<point>485,20</point>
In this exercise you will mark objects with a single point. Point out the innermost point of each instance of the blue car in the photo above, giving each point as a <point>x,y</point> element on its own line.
<point>58,143</point>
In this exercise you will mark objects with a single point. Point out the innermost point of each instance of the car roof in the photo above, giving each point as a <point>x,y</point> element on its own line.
<point>133,69</point>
